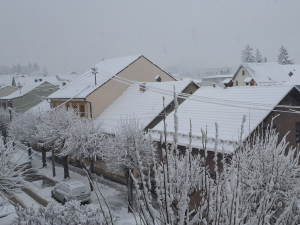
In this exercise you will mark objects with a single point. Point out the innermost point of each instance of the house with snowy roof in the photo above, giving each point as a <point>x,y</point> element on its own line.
<point>28,96</point>
<point>7,90</point>
<point>253,74</point>
<point>227,107</point>
<point>91,92</point>
<point>144,102</point>
<point>215,79</point>
<point>25,80</point>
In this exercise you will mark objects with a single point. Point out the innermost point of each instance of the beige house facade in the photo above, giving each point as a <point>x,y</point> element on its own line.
<point>96,100</point>
<point>240,76</point>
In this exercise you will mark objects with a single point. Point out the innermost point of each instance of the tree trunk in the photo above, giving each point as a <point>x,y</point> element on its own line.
<point>89,174</point>
<point>91,161</point>
<point>44,156</point>
<point>29,151</point>
<point>129,190</point>
<point>66,167</point>
<point>53,163</point>
<point>3,129</point>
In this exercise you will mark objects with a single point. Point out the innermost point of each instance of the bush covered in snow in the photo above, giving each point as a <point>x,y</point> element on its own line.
<point>56,214</point>
<point>258,184</point>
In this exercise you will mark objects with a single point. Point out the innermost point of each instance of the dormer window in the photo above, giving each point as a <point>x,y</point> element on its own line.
<point>40,79</point>
<point>158,78</point>
<point>35,80</point>
<point>63,83</point>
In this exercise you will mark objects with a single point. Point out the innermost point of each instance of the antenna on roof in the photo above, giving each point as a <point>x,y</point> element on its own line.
<point>95,71</point>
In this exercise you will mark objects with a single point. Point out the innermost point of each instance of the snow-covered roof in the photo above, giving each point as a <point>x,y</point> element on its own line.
<point>227,80</point>
<point>6,80</point>
<point>41,107</point>
<point>226,106</point>
<point>294,79</point>
<point>248,79</point>
<point>1,87</point>
<point>24,90</point>
<point>84,84</point>
<point>74,184</point>
<point>291,68</point>
<point>266,73</point>
<point>145,106</point>
<point>26,80</point>
<point>68,78</point>
<point>219,76</point>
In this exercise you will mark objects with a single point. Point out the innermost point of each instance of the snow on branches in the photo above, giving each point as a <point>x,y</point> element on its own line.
<point>247,56</point>
<point>71,213</point>
<point>283,57</point>
<point>12,172</point>
<point>256,185</point>
<point>128,146</point>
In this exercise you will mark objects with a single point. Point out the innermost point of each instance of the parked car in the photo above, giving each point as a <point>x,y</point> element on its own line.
<point>71,190</point>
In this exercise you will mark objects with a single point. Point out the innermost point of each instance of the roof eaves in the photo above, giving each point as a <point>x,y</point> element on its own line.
<point>113,76</point>
<point>160,68</point>
<point>269,113</point>
<point>237,72</point>
<point>170,103</point>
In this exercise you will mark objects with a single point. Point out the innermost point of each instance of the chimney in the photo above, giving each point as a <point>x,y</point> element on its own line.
<point>158,78</point>
<point>142,87</point>
<point>214,85</point>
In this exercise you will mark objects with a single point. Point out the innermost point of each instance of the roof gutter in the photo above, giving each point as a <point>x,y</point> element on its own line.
<point>91,112</point>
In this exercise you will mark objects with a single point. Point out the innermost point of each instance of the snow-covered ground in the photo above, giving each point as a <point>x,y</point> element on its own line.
<point>7,213</point>
<point>115,194</point>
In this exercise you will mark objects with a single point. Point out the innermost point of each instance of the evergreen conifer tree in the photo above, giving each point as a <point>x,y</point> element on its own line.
<point>29,68</point>
<point>258,57</point>
<point>283,57</point>
<point>36,67</point>
<point>247,56</point>
<point>45,72</point>
<point>14,69</point>
<point>19,70</point>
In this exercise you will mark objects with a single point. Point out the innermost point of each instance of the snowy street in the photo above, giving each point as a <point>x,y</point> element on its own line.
<point>41,183</point>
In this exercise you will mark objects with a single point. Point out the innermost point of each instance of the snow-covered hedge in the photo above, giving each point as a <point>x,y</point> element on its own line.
<point>56,214</point>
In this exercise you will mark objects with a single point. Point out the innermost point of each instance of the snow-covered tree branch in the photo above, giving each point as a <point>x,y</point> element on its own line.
<point>128,147</point>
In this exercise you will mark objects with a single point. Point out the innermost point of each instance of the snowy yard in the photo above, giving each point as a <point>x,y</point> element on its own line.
<point>114,193</point>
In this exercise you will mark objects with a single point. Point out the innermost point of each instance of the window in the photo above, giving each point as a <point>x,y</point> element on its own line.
<point>81,110</point>
<point>40,79</point>
<point>297,132</point>
<point>243,72</point>
<point>236,83</point>
<point>75,108</point>
<point>36,80</point>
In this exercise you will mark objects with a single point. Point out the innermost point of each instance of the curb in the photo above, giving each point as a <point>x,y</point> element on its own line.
<point>36,197</point>
<point>14,199</point>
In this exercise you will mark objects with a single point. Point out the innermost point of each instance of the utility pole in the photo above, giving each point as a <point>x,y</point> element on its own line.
<point>95,71</point>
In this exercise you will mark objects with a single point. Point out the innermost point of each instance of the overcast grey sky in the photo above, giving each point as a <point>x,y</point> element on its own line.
<point>76,34</point>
